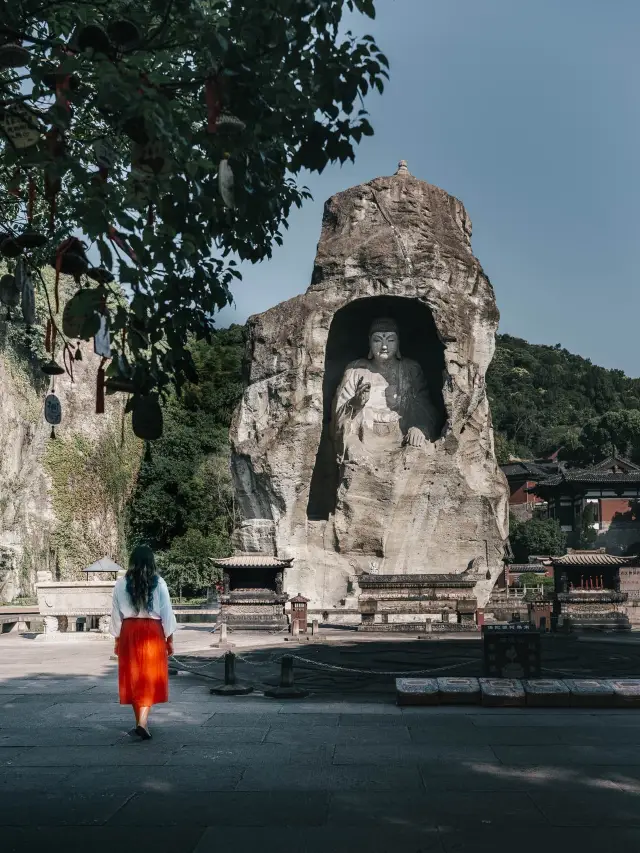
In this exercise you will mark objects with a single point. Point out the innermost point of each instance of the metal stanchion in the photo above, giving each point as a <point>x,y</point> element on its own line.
<point>286,688</point>
<point>231,686</point>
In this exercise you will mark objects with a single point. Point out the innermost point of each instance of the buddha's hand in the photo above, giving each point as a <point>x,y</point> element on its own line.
<point>414,437</point>
<point>361,397</point>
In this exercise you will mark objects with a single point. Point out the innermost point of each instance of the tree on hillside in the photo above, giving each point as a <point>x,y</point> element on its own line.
<point>613,432</point>
<point>536,536</point>
<point>169,136</point>
<point>183,504</point>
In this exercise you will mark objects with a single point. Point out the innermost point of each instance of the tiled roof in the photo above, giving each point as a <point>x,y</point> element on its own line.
<point>611,471</point>
<point>527,567</point>
<point>593,558</point>
<point>247,561</point>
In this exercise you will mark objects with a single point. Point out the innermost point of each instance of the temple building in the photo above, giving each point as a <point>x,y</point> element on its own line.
<point>610,488</point>
<point>522,475</point>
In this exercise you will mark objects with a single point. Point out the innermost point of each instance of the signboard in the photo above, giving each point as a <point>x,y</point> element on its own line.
<point>511,651</point>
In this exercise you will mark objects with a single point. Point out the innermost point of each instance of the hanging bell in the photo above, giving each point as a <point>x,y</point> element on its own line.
<point>70,258</point>
<point>225,183</point>
<point>13,55</point>
<point>31,240</point>
<point>125,34</point>
<point>78,354</point>
<point>51,368</point>
<point>94,37</point>
<point>10,248</point>
<point>146,419</point>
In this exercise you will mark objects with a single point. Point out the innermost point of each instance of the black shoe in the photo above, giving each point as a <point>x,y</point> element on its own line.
<point>143,733</point>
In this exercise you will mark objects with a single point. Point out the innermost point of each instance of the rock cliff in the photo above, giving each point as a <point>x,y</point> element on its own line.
<point>61,500</point>
<point>396,247</point>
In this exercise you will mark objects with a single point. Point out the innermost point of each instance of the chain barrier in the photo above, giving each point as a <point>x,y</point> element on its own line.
<point>409,672</point>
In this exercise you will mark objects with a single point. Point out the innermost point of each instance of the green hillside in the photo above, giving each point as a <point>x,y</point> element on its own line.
<point>542,397</point>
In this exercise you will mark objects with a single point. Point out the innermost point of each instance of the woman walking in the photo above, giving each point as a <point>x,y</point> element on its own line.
<point>143,624</point>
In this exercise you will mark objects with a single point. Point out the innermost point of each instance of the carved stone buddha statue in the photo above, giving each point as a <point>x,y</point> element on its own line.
<point>383,401</point>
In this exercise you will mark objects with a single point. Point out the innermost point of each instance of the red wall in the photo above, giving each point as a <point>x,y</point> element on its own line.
<point>610,506</point>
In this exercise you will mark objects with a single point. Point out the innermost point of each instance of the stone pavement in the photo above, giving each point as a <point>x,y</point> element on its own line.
<point>332,773</point>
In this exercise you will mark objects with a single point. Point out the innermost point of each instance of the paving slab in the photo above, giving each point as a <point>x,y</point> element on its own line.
<point>101,839</point>
<point>620,755</point>
<point>329,778</point>
<point>381,838</point>
<point>247,808</point>
<point>132,779</point>
<point>22,809</point>
<point>449,808</point>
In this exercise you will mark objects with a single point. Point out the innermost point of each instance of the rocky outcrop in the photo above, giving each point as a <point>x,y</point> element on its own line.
<point>61,500</point>
<point>397,247</point>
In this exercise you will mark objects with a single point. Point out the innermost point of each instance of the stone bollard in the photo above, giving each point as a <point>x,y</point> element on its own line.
<point>315,628</point>
<point>231,686</point>
<point>286,689</point>
<point>295,629</point>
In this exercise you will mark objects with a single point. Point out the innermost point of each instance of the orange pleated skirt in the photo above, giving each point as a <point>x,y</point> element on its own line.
<point>143,669</point>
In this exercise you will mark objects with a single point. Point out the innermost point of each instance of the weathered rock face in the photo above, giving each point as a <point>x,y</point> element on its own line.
<point>395,247</point>
<point>59,510</point>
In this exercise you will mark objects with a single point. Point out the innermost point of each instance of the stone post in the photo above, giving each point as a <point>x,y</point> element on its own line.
<point>314,628</point>
<point>295,628</point>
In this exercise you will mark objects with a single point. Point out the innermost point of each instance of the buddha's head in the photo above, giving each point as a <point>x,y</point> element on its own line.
<point>384,340</point>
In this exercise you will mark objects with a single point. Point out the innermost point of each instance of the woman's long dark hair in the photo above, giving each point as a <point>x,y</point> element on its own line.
<point>142,578</point>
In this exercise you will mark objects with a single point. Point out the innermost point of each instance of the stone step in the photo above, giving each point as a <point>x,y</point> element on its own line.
<point>513,692</point>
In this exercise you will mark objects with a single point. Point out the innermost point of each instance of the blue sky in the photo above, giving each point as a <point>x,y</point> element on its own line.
<point>528,111</point>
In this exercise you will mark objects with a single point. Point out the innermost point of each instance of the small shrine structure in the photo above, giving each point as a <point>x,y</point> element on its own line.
<point>588,593</point>
<point>253,596</point>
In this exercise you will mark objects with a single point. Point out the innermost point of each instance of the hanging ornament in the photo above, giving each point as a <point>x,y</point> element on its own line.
<point>51,368</point>
<point>28,299</point>
<point>225,183</point>
<point>13,55</point>
<point>31,240</point>
<point>125,34</point>
<point>10,248</point>
<point>78,354</point>
<point>136,129</point>
<point>148,457</point>
<point>20,127</point>
<point>14,186</point>
<point>52,412</point>
<point>106,157</point>
<point>100,388</point>
<point>9,293</point>
<point>94,37</point>
<point>146,420</point>
<point>102,339</point>
<point>229,123</point>
<point>69,259</point>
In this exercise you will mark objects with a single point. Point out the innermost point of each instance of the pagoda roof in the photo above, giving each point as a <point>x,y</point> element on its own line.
<point>252,561</point>
<point>592,558</point>
<point>613,471</point>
